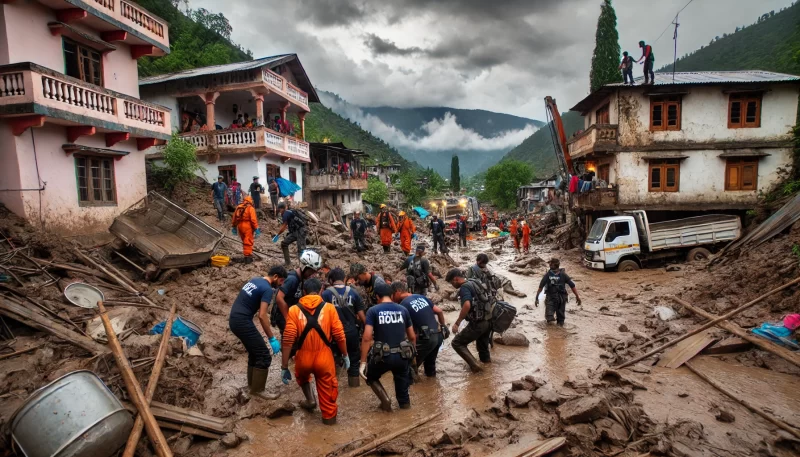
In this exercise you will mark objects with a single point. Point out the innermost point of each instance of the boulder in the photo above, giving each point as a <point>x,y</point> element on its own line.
<point>512,338</point>
<point>586,434</point>
<point>519,398</point>
<point>280,409</point>
<point>537,381</point>
<point>230,440</point>
<point>583,409</point>
<point>522,384</point>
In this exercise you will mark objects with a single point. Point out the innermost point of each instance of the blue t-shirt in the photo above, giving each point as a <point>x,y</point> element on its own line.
<point>421,310</point>
<point>464,295</point>
<point>219,189</point>
<point>249,300</point>
<point>287,217</point>
<point>389,322</point>
<point>291,288</point>
<point>352,301</point>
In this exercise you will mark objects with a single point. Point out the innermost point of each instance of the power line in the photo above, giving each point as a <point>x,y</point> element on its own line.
<point>671,23</point>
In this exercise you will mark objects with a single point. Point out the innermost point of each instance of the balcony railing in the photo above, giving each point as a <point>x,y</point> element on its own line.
<point>28,83</point>
<point>597,138</point>
<point>287,89</point>
<point>334,182</point>
<point>596,199</point>
<point>256,140</point>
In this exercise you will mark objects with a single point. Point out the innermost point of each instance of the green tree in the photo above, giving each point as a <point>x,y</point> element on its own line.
<point>606,57</point>
<point>435,183</point>
<point>502,181</point>
<point>180,163</point>
<point>455,174</point>
<point>215,22</point>
<point>409,186</point>
<point>377,192</point>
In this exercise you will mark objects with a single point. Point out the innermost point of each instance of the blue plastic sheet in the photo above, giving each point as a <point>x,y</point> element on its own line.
<point>776,333</point>
<point>180,328</point>
<point>286,187</point>
<point>421,211</point>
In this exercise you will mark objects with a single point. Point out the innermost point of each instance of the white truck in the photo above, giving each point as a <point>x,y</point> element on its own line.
<point>628,242</point>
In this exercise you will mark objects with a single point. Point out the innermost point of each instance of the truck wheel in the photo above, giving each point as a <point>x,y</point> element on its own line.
<point>628,265</point>
<point>698,254</point>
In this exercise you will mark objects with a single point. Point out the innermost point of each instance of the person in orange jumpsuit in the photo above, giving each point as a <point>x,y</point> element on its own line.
<point>526,236</point>
<point>245,223</point>
<point>512,229</point>
<point>484,222</point>
<point>407,231</point>
<point>386,227</point>
<point>311,326</point>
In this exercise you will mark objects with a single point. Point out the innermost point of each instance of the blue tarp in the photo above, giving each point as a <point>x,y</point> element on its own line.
<point>421,211</point>
<point>286,187</point>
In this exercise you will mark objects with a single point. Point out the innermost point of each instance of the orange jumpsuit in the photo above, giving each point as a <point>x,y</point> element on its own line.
<point>246,223</point>
<point>514,235</point>
<point>406,229</point>
<point>484,222</point>
<point>526,237</point>
<point>314,357</point>
<point>386,232</point>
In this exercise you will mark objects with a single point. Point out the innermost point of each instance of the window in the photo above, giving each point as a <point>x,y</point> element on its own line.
<point>741,174</point>
<point>228,172</point>
<point>273,171</point>
<point>293,175</point>
<point>618,229</point>
<point>343,199</point>
<point>83,63</point>
<point>96,184</point>
<point>664,175</point>
<point>601,116</point>
<point>665,113</point>
<point>603,172</point>
<point>744,111</point>
<point>333,198</point>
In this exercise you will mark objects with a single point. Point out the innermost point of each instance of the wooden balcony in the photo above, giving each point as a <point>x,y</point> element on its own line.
<point>259,141</point>
<point>596,199</point>
<point>334,182</point>
<point>597,138</point>
<point>28,90</point>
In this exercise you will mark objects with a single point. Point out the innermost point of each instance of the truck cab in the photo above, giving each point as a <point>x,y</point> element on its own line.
<point>611,240</point>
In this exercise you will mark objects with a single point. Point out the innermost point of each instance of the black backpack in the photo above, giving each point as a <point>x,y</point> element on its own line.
<point>554,284</point>
<point>299,221</point>
<point>482,310</point>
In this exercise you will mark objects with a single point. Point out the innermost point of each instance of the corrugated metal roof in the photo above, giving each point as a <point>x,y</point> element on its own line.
<point>717,77</point>
<point>214,69</point>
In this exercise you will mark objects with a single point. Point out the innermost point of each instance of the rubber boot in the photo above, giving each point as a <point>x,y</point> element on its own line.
<point>380,392</point>
<point>331,421</point>
<point>465,354</point>
<point>353,381</point>
<point>248,259</point>
<point>310,402</point>
<point>287,259</point>
<point>258,380</point>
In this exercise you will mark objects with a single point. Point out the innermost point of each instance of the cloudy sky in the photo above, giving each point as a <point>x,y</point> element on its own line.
<point>502,56</point>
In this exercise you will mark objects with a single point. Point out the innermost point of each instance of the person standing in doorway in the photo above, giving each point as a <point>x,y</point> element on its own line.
<point>256,189</point>
<point>273,195</point>
<point>218,191</point>
<point>649,61</point>
<point>556,281</point>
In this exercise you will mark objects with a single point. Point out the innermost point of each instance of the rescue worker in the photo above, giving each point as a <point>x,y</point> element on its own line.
<point>512,229</point>
<point>388,344</point>
<point>555,303</point>
<point>481,272</point>
<point>476,308</point>
<point>256,189</point>
<point>461,229</point>
<point>218,191</point>
<point>273,189</point>
<point>297,232</point>
<point>245,223</point>
<point>292,289</point>
<point>351,312</point>
<point>437,232</point>
<point>526,236</point>
<point>407,231</point>
<point>358,232</point>
<point>387,227</point>
<point>256,298</point>
<point>484,222</point>
<point>369,281</point>
<point>311,328</point>
<point>430,333</point>
<point>418,272</point>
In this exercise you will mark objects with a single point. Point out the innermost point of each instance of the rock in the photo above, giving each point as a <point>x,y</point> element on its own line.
<point>673,268</point>
<point>522,384</point>
<point>280,409</point>
<point>537,381</point>
<point>583,409</point>
<point>230,440</point>
<point>339,227</point>
<point>611,430</point>
<point>547,395</point>
<point>181,445</point>
<point>448,307</point>
<point>723,415</point>
<point>623,328</point>
<point>585,433</point>
<point>512,338</point>
<point>519,398</point>
<point>623,378</point>
<point>683,395</point>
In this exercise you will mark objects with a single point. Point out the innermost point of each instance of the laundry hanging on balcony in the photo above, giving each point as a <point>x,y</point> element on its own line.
<point>286,187</point>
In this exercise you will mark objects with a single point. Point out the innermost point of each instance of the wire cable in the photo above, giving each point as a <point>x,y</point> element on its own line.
<point>671,23</point>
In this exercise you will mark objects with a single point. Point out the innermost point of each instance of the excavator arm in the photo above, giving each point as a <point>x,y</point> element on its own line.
<point>559,136</point>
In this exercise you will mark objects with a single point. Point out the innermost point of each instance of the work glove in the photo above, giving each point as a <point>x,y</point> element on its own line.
<point>233,230</point>
<point>455,328</point>
<point>414,236</point>
<point>346,362</point>
<point>275,238</point>
<point>445,332</point>
<point>258,233</point>
<point>275,344</point>
<point>286,375</point>
<point>362,371</point>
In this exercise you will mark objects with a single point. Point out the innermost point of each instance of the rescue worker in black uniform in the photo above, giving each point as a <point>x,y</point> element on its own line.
<point>256,189</point>
<point>351,310</point>
<point>461,228</point>
<point>388,344</point>
<point>358,231</point>
<point>297,232</point>
<point>476,308</point>
<point>369,281</point>
<point>555,302</point>
<point>418,272</point>
<point>437,232</point>
<point>430,333</point>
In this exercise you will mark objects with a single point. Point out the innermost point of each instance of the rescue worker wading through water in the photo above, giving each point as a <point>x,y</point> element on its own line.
<point>418,272</point>
<point>461,228</point>
<point>351,312</point>
<point>386,227</point>
<point>430,333</point>
<point>476,307</point>
<point>369,281</point>
<point>255,298</point>
<point>437,232</point>
<point>311,328</point>
<point>358,231</point>
<point>555,302</point>
<point>388,344</point>
<point>292,289</point>
<point>245,223</point>
<point>297,232</point>
<point>407,231</point>
<point>526,236</point>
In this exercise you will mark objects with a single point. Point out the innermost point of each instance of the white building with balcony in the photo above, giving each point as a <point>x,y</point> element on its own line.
<point>72,127</point>
<point>707,141</point>
<point>206,103</point>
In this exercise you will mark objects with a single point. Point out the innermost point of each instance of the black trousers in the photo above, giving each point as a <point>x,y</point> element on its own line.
<point>256,200</point>
<point>399,368</point>
<point>299,237</point>
<point>428,351</point>
<point>258,355</point>
<point>353,351</point>
<point>627,75</point>
<point>438,243</point>
<point>359,242</point>
<point>648,71</point>
<point>556,304</point>
<point>479,332</point>
<point>462,239</point>
<point>273,198</point>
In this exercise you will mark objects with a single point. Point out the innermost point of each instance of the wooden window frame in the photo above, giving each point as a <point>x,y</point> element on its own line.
<point>293,174</point>
<point>275,169</point>
<point>90,200</point>
<point>744,99</point>
<point>740,163</point>
<point>663,165</point>
<point>665,102</point>
<point>604,172</point>
<point>223,171</point>
<point>92,62</point>
<point>603,111</point>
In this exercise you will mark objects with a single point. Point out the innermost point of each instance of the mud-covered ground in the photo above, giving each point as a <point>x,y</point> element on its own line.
<point>642,409</point>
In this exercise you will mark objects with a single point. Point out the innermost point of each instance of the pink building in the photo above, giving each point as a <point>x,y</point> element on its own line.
<point>72,127</point>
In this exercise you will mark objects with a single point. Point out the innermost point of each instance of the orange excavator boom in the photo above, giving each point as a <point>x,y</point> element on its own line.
<point>559,135</point>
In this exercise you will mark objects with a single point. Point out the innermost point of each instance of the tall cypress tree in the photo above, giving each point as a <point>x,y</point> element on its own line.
<point>607,54</point>
<point>455,174</point>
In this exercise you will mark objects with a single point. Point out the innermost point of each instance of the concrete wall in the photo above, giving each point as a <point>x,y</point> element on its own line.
<point>613,112</point>
<point>246,168</point>
<point>9,172</point>
<point>120,71</point>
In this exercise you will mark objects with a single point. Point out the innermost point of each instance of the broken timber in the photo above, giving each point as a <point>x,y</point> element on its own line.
<point>186,417</point>
<point>686,349</point>
<point>530,446</point>
<point>377,442</point>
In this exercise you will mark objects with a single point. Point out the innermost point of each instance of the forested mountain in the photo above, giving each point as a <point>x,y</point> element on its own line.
<point>537,150</point>
<point>485,123</point>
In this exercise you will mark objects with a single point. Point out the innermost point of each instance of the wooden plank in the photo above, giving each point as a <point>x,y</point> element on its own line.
<point>686,349</point>
<point>188,417</point>
<point>386,438</point>
<point>728,346</point>
<point>530,446</point>
<point>189,430</point>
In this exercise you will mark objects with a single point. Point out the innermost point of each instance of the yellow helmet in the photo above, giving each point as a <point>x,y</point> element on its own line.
<point>383,206</point>
<point>401,213</point>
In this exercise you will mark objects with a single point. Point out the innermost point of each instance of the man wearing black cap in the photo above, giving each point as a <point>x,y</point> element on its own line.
<point>218,190</point>
<point>388,345</point>
<point>418,272</point>
<point>256,189</point>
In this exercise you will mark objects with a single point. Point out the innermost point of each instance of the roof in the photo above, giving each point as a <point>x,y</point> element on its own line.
<point>273,61</point>
<point>337,147</point>
<point>693,78</point>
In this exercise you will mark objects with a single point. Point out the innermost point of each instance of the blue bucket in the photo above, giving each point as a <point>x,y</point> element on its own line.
<point>181,328</point>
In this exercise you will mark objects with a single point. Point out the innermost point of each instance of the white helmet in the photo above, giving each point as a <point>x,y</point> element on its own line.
<point>311,259</point>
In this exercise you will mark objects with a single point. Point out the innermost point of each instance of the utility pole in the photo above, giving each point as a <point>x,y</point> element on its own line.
<point>675,39</point>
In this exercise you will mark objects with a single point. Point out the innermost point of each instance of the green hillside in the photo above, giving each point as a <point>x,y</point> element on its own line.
<point>537,150</point>
<point>772,43</point>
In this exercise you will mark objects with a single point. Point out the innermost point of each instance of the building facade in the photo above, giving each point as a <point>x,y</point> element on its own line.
<point>335,181</point>
<point>707,141</point>
<point>536,194</point>
<point>272,93</point>
<point>73,129</point>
